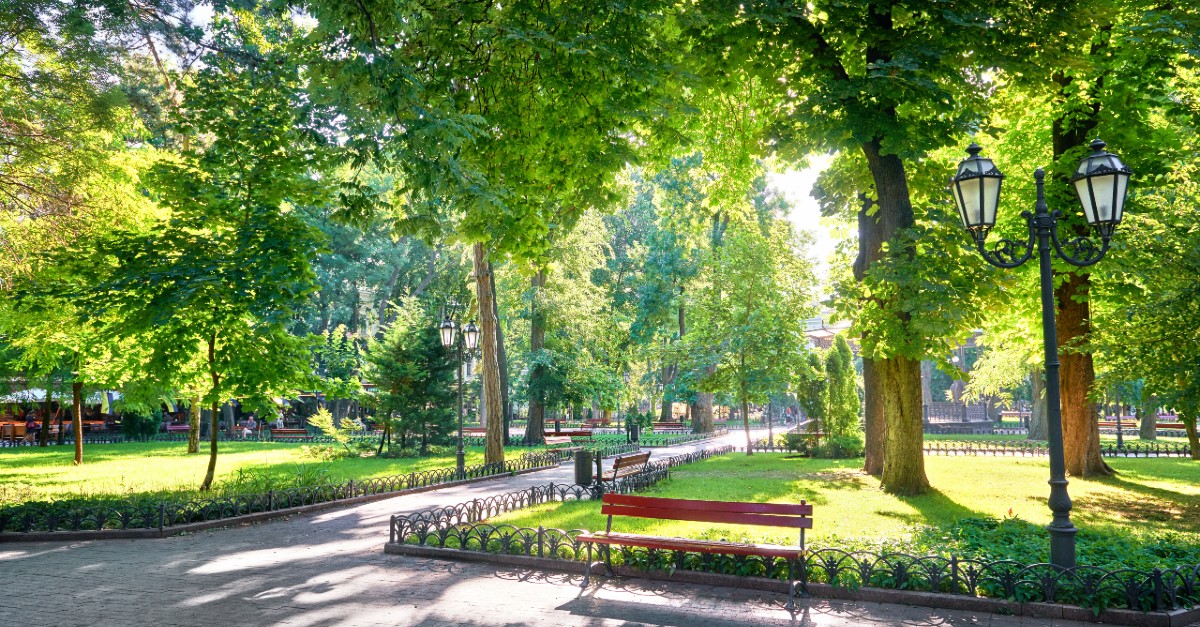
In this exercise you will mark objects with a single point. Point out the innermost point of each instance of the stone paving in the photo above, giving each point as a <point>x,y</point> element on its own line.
<point>328,568</point>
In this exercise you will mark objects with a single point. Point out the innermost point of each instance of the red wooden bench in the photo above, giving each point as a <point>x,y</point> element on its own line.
<point>796,516</point>
<point>291,434</point>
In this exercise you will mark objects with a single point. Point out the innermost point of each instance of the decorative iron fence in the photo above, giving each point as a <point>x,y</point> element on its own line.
<point>98,516</point>
<point>1034,448</point>
<point>465,527</point>
<point>1019,448</point>
<point>117,437</point>
<point>673,439</point>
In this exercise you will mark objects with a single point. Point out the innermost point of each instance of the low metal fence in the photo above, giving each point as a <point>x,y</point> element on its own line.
<point>159,514</point>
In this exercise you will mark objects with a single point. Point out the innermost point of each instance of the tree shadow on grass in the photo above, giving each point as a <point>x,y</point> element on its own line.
<point>1143,505</point>
<point>934,508</point>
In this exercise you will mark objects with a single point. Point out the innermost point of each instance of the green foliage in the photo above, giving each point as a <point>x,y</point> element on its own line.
<point>139,424</point>
<point>842,406</point>
<point>415,378</point>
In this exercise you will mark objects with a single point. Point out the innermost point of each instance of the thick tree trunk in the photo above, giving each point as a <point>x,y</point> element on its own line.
<point>926,382</point>
<point>216,408</point>
<point>904,456</point>
<point>1189,423</point>
<point>1039,429</point>
<point>77,419</point>
<point>702,413</point>
<point>501,356</point>
<point>194,426</point>
<point>535,428</point>
<point>874,427</point>
<point>490,366</point>
<point>44,433</point>
<point>1147,411</point>
<point>1081,432</point>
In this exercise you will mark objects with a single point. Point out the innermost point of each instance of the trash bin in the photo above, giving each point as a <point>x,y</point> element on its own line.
<point>635,431</point>
<point>583,467</point>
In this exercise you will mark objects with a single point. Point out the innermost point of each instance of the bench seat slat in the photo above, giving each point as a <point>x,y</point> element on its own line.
<point>634,501</point>
<point>731,518</point>
<point>698,546</point>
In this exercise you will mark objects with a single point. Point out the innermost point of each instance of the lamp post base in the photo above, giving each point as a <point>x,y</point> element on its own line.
<point>460,463</point>
<point>1062,545</point>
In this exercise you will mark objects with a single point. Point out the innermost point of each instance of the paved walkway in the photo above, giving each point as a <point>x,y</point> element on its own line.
<point>329,569</point>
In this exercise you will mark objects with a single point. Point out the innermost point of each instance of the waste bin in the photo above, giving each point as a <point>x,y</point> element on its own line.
<point>634,431</point>
<point>583,467</point>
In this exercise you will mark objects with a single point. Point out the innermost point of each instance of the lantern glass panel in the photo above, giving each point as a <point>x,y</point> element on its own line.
<point>447,330</point>
<point>471,335</point>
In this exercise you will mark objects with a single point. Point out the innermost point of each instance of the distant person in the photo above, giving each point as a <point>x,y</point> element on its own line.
<point>32,426</point>
<point>250,426</point>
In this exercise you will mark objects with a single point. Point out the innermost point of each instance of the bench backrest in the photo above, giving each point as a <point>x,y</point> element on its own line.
<point>552,440</point>
<point>625,461</point>
<point>762,514</point>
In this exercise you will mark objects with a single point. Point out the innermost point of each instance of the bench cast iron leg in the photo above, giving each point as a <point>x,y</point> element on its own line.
<point>587,573</point>
<point>608,561</point>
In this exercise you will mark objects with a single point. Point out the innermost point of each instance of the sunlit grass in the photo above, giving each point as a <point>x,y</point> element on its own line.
<point>113,470</point>
<point>1149,498</point>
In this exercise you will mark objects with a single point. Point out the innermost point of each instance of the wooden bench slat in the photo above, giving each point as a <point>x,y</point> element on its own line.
<point>731,518</point>
<point>787,509</point>
<point>687,544</point>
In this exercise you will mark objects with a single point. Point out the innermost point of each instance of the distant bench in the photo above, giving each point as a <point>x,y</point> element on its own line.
<point>668,427</point>
<point>178,428</point>
<point>796,516</point>
<point>561,443</point>
<point>626,465</point>
<point>291,434</point>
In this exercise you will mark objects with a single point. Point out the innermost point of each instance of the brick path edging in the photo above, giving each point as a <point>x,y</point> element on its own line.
<point>1173,618</point>
<point>174,530</point>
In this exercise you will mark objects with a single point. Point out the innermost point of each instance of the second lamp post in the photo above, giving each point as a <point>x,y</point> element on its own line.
<point>1100,181</point>
<point>467,341</point>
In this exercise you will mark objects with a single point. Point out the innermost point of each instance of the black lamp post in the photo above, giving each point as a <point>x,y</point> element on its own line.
<point>467,341</point>
<point>1101,182</point>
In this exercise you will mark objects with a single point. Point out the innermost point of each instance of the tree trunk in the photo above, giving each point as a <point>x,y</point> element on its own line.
<point>216,408</point>
<point>904,456</point>
<point>1039,429</point>
<point>926,382</point>
<point>1189,423</point>
<point>874,427</point>
<point>1147,411</point>
<point>194,426</point>
<point>1081,432</point>
<point>535,427</point>
<point>745,408</point>
<point>501,356</point>
<point>702,413</point>
<point>77,419</point>
<point>882,378</point>
<point>490,366</point>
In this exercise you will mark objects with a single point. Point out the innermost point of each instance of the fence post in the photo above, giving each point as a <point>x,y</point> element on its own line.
<point>162,516</point>
<point>1156,576</point>
<point>270,500</point>
<point>541,537</point>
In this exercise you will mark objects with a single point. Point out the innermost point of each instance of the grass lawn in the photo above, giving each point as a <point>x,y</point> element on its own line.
<point>1150,501</point>
<point>156,468</point>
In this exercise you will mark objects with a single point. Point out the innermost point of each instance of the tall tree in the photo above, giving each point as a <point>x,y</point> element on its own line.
<point>886,84</point>
<point>230,268</point>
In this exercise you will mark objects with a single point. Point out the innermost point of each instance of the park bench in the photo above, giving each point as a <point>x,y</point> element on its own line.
<point>291,434</point>
<point>478,432</point>
<point>178,428</point>
<point>668,427</point>
<point>796,516</point>
<point>562,443</point>
<point>626,465</point>
<point>574,433</point>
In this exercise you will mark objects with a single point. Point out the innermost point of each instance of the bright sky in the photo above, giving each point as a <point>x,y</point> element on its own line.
<point>796,186</point>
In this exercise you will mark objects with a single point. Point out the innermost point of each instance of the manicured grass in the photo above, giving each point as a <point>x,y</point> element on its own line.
<point>156,468</point>
<point>1150,501</point>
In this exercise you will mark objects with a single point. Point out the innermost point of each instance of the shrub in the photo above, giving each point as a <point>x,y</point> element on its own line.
<point>840,447</point>
<point>136,425</point>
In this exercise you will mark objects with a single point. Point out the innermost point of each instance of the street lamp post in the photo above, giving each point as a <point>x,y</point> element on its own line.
<point>468,339</point>
<point>1100,181</point>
